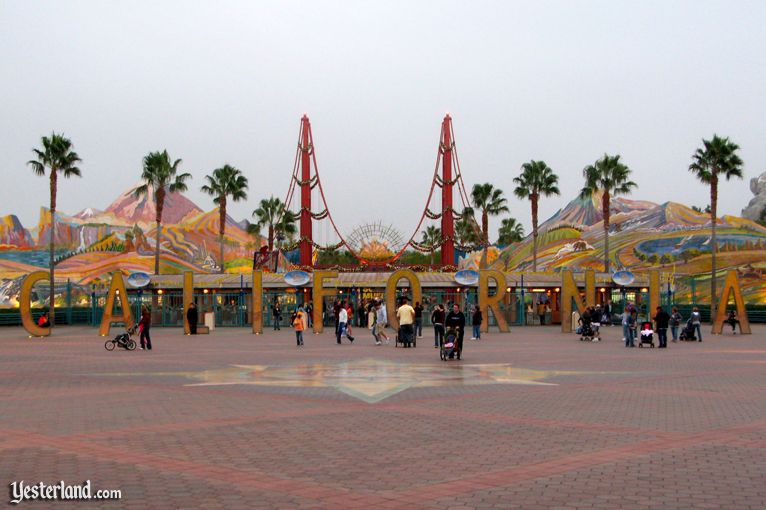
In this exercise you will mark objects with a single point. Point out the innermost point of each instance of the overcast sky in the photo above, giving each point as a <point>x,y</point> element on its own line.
<point>217,82</point>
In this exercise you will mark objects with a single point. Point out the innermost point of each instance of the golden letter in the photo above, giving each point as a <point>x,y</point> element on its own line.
<point>393,280</point>
<point>654,292</point>
<point>256,313</point>
<point>731,285</point>
<point>188,297</point>
<point>318,297</point>
<point>116,289</point>
<point>569,291</point>
<point>486,302</point>
<point>25,303</point>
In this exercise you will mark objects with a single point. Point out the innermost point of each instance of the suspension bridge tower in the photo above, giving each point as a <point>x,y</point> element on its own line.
<point>446,146</point>
<point>306,237</point>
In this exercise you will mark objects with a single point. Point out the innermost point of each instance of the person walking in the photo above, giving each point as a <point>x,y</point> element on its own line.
<point>437,319</point>
<point>192,318</point>
<point>381,320</point>
<point>299,327</point>
<point>661,319</point>
<point>675,321</point>
<point>732,321</point>
<point>476,319</point>
<point>309,318</point>
<point>697,323</point>
<point>627,327</point>
<point>418,320</point>
<point>277,315</point>
<point>456,319</point>
<point>406,316</point>
<point>371,322</point>
<point>145,324</point>
<point>343,323</point>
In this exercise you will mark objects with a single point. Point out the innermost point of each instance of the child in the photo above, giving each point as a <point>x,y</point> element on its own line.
<point>298,325</point>
<point>647,330</point>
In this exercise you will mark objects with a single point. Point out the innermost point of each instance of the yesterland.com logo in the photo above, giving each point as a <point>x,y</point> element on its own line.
<point>20,491</point>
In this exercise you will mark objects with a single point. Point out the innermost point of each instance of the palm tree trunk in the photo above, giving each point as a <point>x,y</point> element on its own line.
<point>484,238</point>
<point>157,249</point>
<point>534,232</point>
<point>51,246</point>
<point>222,227</point>
<point>271,238</point>
<point>159,196</point>
<point>714,242</point>
<point>605,213</point>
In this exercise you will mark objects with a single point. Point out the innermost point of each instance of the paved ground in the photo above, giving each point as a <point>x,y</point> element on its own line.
<point>233,420</point>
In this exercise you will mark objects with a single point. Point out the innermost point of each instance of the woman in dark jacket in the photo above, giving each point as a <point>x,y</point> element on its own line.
<point>192,318</point>
<point>146,322</point>
<point>437,319</point>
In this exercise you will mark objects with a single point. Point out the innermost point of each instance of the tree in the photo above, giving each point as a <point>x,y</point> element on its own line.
<point>467,231</point>
<point>272,213</point>
<point>718,157</point>
<point>510,231</point>
<point>162,176</point>
<point>490,201</point>
<point>536,179</point>
<point>610,177</point>
<point>58,157</point>
<point>432,237</point>
<point>225,181</point>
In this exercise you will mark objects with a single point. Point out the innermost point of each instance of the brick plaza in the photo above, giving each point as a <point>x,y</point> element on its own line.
<point>530,419</point>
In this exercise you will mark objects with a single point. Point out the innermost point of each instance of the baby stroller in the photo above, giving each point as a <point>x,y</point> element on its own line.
<point>449,346</point>
<point>123,340</point>
<point>646,335</point>
<point>688,332</point>
<point>588,331</point>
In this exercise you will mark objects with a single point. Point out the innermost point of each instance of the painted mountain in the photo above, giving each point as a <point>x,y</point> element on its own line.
<point>643,235</point>
<point>92,243</point>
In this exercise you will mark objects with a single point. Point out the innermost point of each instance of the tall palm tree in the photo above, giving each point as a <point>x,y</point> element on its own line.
<point>610,177</point>
<point>510,231</point>
<point>273,214</point>
<point>467,231</point>
<point>162,176</point>
<point>225,181</point>
<point>718,158</point>
<point>489,201</point>
<point>432,237</point>
<point>536,180</point>
<point>58,157</point>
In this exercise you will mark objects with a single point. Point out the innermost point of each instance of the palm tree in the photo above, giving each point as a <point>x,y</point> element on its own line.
<point>57,156</point>
<point>432,237</point>
<point>162,176</point>
<point>610,177</point>
<point>467,231</point>
<point>536,179</point>
<point>273,214</point>
<point>718,158</point>
<point>491,202</point>
<point>510,231</point>
<point>225,181</point>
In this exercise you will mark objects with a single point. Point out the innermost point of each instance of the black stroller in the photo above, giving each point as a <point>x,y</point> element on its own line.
<point>646,335</point>
<point>449,345</point>
<point>688,333</point>
<point>123,340</point>
<point>588,331</point>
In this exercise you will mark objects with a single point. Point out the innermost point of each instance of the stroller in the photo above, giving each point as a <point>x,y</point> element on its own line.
<point>688,332</point>
<point>449,345</point>
<point>123,340</point>
<point>646,335</point>
<point>588,331</point>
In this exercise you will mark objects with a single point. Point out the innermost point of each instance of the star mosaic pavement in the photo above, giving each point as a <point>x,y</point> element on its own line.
<point>370,380</point>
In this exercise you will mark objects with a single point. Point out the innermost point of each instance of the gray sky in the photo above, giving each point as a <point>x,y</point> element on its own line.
<point>217,82</point>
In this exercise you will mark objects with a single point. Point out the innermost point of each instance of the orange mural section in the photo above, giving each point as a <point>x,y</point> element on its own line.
<point>318,296</point>
<point>393,280</point>
<point>116,291</point>
<point>25,303</point>
<point>731,286</point>
<point>487,302</point>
